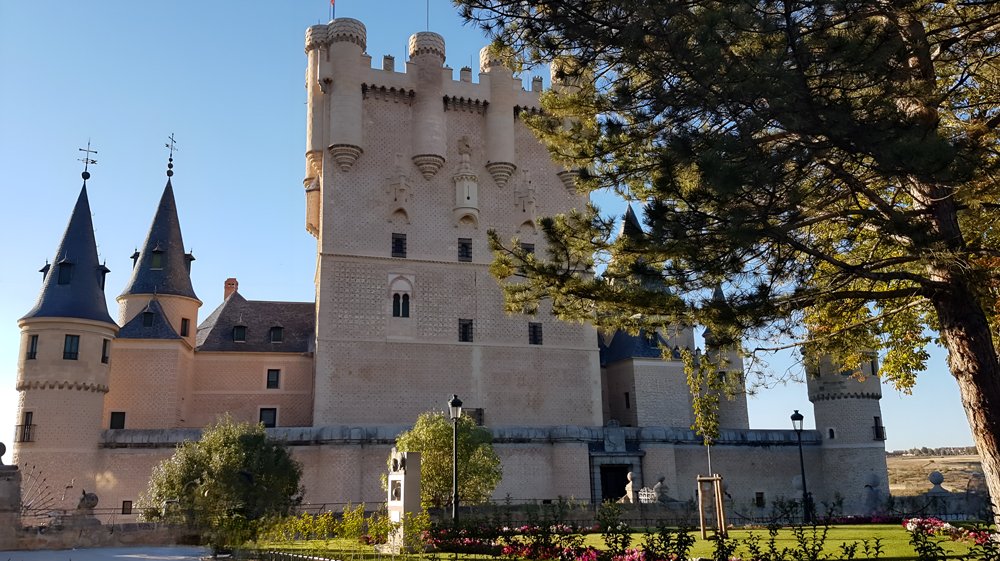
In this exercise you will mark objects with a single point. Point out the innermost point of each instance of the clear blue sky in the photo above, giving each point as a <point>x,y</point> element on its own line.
<point>226,78</point>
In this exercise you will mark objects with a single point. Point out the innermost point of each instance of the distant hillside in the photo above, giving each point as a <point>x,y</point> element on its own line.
<point>908,473</point>
<point>945,451</point>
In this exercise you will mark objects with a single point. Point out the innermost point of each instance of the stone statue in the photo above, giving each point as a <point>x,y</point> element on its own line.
<point>659,491</point>
<point>88,501</point>
<point>629,490</point>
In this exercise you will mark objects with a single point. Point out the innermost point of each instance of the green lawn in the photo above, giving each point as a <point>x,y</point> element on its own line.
<point>893,538</point>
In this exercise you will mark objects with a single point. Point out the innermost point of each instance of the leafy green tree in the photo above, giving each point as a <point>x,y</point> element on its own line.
<point>234,475</point>
<point>833,163</point>
<point>479,469</point>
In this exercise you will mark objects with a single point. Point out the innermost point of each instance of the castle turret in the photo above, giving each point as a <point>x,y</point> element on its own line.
<point>340,75</point>
<point>161,270</point>
<point>158,311</point>
<point>849,420</point>
<point>64,361</point>
<point>500,156</point>
<point>427,57</point>
<point>733,412</point>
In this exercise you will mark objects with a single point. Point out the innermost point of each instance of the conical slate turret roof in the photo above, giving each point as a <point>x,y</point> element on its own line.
<point>162,267</point>
<point>74,284</point>
<point>630,225</point>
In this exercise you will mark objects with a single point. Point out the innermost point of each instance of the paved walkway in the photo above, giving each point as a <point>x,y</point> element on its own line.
<point>185,553</point>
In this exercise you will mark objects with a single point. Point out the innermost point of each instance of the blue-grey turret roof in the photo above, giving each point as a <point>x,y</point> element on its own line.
<point>161,266</point>
<point>73,286</point>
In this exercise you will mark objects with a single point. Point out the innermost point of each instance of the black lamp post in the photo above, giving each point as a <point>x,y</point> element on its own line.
<point>455,410</point>
<point>797,419</point>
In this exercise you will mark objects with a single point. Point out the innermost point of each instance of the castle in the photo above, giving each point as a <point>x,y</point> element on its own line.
<point>405,173</point>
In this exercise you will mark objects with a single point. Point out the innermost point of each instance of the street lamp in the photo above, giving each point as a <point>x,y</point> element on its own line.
<point>455,410</point>
<point>797,419</point>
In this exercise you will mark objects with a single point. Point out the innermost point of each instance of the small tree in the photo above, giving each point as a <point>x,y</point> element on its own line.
<point>233,475</point>
<point>479,469</point>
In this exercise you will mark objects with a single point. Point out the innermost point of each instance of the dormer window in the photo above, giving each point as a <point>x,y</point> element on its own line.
<point>45,271</point>
<point>65,272</point>
<point>188,258</point>
<point>135,258</point>
<point>102,273</point>
<point>277,334</point>
<point>157,260</point>
<point>240,334</point>
<point>147,318</point>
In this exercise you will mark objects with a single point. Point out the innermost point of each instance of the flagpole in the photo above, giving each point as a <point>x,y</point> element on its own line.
<point>333,10</point>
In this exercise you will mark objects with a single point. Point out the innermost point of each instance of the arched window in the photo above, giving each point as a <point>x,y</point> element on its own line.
<point>401,295</point>
<point>400,305</point>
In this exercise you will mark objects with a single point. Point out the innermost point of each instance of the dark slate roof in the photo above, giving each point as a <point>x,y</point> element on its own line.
<point>83,296</point>
<point>161,328</point>
<point>623,346</point>
<point>164,236</point>
<point>630,224</point>
<point>297,320</point>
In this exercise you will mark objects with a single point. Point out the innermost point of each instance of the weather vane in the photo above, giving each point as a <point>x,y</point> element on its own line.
<point>87,160</point>
<point>172,145</point>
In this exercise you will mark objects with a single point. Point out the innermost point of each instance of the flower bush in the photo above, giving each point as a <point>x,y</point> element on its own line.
<point>937,527</point>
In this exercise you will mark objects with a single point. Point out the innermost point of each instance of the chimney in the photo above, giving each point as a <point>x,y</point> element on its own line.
<point>232,285</point>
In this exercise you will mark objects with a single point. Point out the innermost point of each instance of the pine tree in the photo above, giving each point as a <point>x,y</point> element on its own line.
<point>833,163</point>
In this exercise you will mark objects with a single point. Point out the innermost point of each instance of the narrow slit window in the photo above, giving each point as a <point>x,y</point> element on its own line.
<point>105,351</point>
<point>185,327</point>
<point>534,333</point>
<point>32,347</point>
<point>465,330</point>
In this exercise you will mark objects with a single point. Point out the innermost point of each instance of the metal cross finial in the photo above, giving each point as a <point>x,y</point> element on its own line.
<point>172,145</point>
<point>87,160</point>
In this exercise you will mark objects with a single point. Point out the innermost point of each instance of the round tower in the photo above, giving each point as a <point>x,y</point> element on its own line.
<point>62,369</point>
<point>427,55</point>
<point>849,420</point>
<point>340,78</point>
<point>500,153</point>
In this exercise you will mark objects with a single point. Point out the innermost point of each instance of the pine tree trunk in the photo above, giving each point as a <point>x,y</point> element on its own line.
<point>972,359</point>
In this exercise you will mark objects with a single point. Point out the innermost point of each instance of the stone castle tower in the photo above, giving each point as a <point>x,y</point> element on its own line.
<point>849,423</point>
<point>63,366</point>
<point>405,174</point>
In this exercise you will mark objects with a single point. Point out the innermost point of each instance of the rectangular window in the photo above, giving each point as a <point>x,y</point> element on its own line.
<point>25,431</point>
<point>758,500</point>
<point>185,327</point>
<point>240,334</point>
<point>147,319</point>
<point>628,401</point>
<point>273,378</point>
<point>105,351</point>
<point>878,430</point>
<point>71,347</point>
<point>126,507</point>
<point>465,249</point>
<point>277,334</point>
<point>534,333</point>
<point>465,330</point>
<point>528,248</point>
<point>117,420</point>
<point>32,347</point>
<point>398,245</point>
<point>269,417</point>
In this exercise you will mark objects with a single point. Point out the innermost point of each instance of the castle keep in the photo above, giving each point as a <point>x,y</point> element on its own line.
<point>405,172</point>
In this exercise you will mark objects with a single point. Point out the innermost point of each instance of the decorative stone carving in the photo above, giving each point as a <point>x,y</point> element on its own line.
<point>466,187</point>
<point>501,172</point>
<point>344,155</point>
<point>568,178</point>
<point>399,186</point>
<point>428,164</point>
<point>524,196</point>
